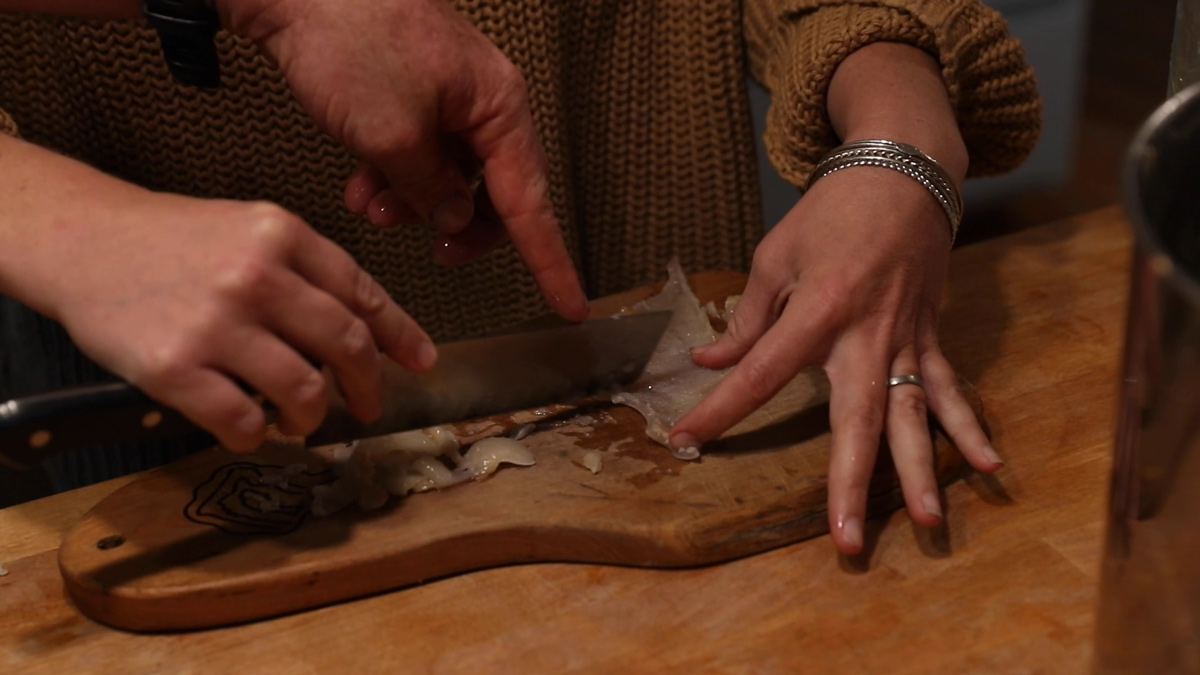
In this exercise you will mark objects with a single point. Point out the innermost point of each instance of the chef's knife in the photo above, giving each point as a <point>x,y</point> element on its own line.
<point>473,378</point>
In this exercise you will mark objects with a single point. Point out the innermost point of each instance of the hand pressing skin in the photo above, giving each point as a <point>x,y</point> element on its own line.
<point>850,280</point>
<point>424,98</point>
<point>187,297</point>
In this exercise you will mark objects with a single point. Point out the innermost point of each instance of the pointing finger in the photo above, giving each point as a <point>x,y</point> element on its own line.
<point>515,169</point>
<point>792,343</point>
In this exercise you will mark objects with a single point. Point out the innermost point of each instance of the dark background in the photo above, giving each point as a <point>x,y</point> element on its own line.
<point>1125,79</point>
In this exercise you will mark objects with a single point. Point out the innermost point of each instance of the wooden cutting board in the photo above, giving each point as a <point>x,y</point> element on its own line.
<point>190,546</point>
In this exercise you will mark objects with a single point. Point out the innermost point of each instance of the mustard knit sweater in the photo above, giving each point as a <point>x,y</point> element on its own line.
<point>641,106</point>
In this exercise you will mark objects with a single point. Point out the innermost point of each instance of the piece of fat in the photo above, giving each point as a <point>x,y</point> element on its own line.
<point>731,305</point>
<point>487,455</point>
<point>431,441</point>
<point>671,384</point>
<point>434,470</point>
<point>592,461</point>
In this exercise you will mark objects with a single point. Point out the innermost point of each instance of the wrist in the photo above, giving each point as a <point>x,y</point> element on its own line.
<point>902,159</point>
<point>945,144</point>
<point>895,92</point>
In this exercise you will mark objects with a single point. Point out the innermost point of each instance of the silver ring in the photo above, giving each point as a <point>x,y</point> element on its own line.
<point>905,379</point>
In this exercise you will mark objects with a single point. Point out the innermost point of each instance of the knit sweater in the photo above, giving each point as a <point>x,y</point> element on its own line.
<point>641,106</point>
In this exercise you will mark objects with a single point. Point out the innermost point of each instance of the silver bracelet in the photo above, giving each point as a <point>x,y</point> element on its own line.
<point>901,157</point>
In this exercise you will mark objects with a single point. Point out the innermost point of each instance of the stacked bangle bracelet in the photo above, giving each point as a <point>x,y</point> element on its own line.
<point>901,157</point>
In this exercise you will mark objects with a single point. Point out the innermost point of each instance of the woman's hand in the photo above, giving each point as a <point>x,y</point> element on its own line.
<point>425,99</point>
<point>850,280</point>
<point>187,298</point>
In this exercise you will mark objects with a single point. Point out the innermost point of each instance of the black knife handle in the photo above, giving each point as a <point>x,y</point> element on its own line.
<point>35,427</point>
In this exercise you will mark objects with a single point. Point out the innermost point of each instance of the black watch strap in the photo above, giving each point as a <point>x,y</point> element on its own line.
<point>186,29</point>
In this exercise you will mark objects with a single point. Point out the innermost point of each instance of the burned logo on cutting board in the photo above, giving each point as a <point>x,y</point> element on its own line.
<point>249,498</point>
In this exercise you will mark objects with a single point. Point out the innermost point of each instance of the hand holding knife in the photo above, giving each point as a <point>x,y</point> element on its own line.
<point>473,378</point>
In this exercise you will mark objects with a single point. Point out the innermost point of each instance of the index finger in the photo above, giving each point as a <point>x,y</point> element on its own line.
<point>515,169</point>
<point>791,344</point>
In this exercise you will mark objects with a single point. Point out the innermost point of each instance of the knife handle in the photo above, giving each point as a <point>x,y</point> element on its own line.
<point>35,427</point>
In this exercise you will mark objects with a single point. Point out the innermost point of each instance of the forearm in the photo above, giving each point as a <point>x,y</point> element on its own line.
<point>45,199</point>
<point>895,92</point>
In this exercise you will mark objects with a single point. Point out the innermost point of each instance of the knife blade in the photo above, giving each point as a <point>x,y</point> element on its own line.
<point>473,378</point>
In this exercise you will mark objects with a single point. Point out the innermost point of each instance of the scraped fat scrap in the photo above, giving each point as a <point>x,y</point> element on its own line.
<point>671,384</point>
<point>369,471</point>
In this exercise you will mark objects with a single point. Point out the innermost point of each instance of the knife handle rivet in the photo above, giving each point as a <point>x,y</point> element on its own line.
<point>152,419</point>
<point>39,439</point>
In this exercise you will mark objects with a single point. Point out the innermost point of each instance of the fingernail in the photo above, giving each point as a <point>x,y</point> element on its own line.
<point>701,350</point>
<point>426,356</point>
<point>684,441</point>
<point>932,505</point>
<point>852,532</point>
<point>991,455</point>
<point>453,215</point>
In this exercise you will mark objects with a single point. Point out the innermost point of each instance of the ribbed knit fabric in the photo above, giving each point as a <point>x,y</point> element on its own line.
<point>794,47</point>
<point>640,104</point>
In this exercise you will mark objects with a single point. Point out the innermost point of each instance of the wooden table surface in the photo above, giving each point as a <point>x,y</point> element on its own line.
<point>1009,585</point>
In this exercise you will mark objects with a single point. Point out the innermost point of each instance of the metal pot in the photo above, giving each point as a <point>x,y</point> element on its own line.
<point>1149,618</point>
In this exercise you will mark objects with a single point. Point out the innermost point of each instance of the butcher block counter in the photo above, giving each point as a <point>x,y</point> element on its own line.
<point>1009,584</point>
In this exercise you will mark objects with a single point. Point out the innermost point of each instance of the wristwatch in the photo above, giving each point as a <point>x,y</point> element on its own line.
<point>186,29</point>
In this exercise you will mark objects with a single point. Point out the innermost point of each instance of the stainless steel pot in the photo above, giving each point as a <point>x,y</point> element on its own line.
<point>1149,618</point>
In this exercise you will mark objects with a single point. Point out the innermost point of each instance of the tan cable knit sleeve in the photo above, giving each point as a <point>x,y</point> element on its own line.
<point>794,46</point>
<point>7,125</point>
